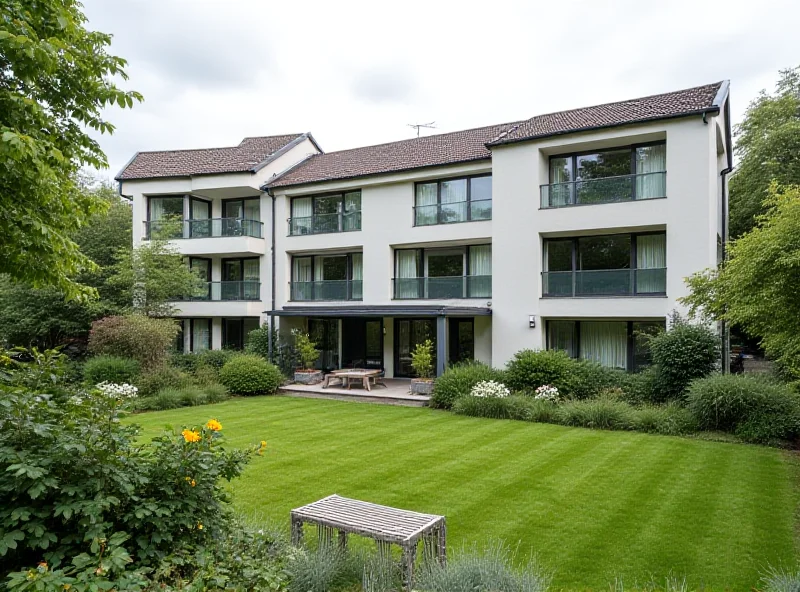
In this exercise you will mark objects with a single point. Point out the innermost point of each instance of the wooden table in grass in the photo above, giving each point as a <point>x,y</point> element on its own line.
<point>386,525</point>
<point>349,374</point>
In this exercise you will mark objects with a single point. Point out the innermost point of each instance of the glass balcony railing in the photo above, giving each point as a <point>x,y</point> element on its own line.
<point>604,282</point>
<point>229,290</point>
<point>326,290</point>
<point>468,286</point>
<point>325,223</point>
<point>605,190</point>
<point>448,213</point>
<point>204,228</point>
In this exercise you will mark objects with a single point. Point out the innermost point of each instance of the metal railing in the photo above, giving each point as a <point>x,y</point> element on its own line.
<point>326,290</point>
<point>448,213</point>
<point>227,291</point>
<point>203,228</point>
<point>325,223</point>
<point>604,282</point>
<point>605,190</point>
<point>466,286</point>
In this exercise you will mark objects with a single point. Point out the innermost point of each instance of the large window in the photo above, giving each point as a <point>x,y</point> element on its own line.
<point>200,334</point>
<point>453,200</point>
<point>235,331</point>
<point>461,272</point>
<point>605,176</point>
<point>327,277</point>
<point>164,216</point>
<point>340,212</point>
<point>610,265</point>
<point>241,217</point>
<point>241,279</point>
<point>615,344</point>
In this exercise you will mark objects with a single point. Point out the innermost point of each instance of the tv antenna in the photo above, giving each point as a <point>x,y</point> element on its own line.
<point>417,126</point>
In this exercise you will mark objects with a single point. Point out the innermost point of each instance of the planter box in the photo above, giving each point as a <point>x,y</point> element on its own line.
<point>313,377</point>
<point>421,387</point>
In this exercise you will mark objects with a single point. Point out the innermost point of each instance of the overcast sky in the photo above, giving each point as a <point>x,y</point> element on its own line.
<point>356,73</point>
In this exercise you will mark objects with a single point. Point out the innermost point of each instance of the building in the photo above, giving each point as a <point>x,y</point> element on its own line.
<point>571,230</point>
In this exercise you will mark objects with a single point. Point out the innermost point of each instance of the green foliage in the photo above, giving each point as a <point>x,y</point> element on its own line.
<point>57,83</point>
<point>215,358</point>
<point>306,349</point>
<point>639,387</point>
<point>681,355</point>
<point>671,419</point>
<point>145,339</point>
<point>188,363</point>
<point>529,369</point>
<point>46,371</point>
<point>185,396</point>
<point>587,379</point>
<point>492,569</point>
<point>422,359</point>
<point>756,288</point>
<point>512,407</point>
<point>159,378</point>
<point>258,342</point>
<point>77,481</point>
<point>323,569</point>
<point>249,374</point>
<point>458,380</point>
<point>111,369</point>
<point>768,149</point>
<point>781,580</point>
<point>602,413</point>
<point>755,409</point>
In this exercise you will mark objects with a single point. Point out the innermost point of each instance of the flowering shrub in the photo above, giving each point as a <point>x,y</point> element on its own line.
<point>490,389</point>
<point>546,393</point>
<point>117,391</point>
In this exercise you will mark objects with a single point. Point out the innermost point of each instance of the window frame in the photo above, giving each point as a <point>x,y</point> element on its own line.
<point>348,274</point>
<point>210,332</point>
<point>468,201</point>
<point>329,194</point>
<point>422,267</point>
<point>240,321</point>
<point>227,200</point>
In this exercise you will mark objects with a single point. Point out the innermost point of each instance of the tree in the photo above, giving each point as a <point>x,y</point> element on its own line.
<point>757,288</point>
<point>768,149</point>
<point>55,80</point>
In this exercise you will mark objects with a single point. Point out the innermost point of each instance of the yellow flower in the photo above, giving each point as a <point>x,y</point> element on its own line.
<point>67,586</point>
<point>261,449</point>
<point>42,566</point>
<point>199,526</point>
<point>190,481</point>
<point>214,425</point>
<point>190,435</point>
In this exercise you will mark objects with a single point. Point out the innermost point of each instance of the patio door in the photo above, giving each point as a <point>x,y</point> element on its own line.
<point>324,333</point>
<point>408,333</point>
<point>362,343</point>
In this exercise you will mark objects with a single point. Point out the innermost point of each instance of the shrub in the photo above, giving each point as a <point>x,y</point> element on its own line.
<point>145,339</point>
<point>214,358</point>
<point>111,369</point>
<point>165,399</point>
<point>184,362</point>
<point>306,349</point>
<point>682,354</point>
<point>781,580</point>
<point>214,393</point>
<point>157,379</point>
<point>422,359</point>
<point>324,569</point>
<point>546,393</point>
<point>670,420</point>
<point>458,380</point>
<point>258,342</point>
<point>529,369</point>
<point>490,388</point>
<point>639,387</point>
<point>601,413</point>
<point>542,411</point>
<point>587,379</point>
<point>513,407</point>
<point>248,374</point>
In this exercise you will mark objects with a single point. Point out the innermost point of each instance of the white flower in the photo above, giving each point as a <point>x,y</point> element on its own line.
<point>547,393</point>
<point>117,391</point>
<point>490,388</point>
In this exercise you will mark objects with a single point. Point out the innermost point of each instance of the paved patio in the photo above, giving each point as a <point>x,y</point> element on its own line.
<point>396,392</point>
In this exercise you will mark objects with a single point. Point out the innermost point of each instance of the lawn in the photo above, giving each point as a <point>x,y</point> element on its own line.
<point>592,505</point>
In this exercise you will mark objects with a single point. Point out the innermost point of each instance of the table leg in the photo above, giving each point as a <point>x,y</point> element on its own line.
<point>366,384</point>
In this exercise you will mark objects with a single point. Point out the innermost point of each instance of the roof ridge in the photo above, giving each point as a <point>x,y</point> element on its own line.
<point>239,145</point>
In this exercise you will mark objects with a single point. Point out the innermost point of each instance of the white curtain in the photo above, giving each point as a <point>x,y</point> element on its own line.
<point>651,263</point>
<point>559,190</point>
<point>454,200</point>
<point>156,209</point>
<point>561,336</point>
<point>407,265</point>
<point>358,275</point>
<point>605,342</point>
<point>426,204</point>
<point>480,264</point>
<point>201,334</point>
<point>302,209</point>
<point>252,209</point>
<point>301,276</point>
<point>651,164</point>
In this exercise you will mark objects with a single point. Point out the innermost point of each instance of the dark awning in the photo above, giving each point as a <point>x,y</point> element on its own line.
<point>401,310</point>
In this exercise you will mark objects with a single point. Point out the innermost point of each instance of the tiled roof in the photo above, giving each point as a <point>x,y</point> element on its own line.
<point>470,145</point>
<point>205,161</point>
<point>672,104</point>
<point>441,149</point>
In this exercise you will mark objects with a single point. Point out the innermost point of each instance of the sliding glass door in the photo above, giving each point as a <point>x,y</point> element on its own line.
<point>408,333</point>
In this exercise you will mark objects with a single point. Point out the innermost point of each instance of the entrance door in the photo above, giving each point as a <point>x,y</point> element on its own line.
<point>324,333</point>
<point>408,333</point>
<point>461,340</point>
<point>362,343</point>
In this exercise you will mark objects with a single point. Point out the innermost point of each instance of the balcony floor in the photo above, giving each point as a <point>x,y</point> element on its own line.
<point>396,392</point>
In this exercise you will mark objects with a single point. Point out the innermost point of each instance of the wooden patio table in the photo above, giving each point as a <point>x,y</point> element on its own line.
<point>347,375</point>
<point>386,525</point>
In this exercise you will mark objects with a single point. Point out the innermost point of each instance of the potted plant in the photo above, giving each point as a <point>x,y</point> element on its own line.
<point>308,355</point>
<point>422,363</point>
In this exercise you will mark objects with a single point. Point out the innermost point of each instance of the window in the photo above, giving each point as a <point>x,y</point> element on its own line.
<point>241,217</point>
<point>199,218</point>
<point>453,200</point>
<point>611,265</point>
<point>202,267</point>
<point>180,346</point>
<point>241,279</point>
<point>235,331</point>
<point>165,216</point>
<point>327,277</point>
<point>200,334</point>
<point>463,272</point>
<point>615,344</point>
<point>606,176</point>
<point>340,212</point>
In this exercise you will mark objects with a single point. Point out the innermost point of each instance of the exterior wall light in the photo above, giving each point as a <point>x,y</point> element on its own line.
<point>532,321</point>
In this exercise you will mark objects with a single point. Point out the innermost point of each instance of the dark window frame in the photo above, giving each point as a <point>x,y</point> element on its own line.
<point>328,194</point>
<point>227,200</point>
<point>224,322</point>
<point>421,266</point>
<point>182,196</point>
<point>348,273</point>
<point>468,179</point>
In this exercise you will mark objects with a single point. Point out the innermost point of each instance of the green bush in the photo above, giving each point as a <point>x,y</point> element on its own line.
<point>111,369</point>
<point>215,358</point>
<point>542,411</point>
<point>324,569</point>
<point>258,342</point>
<point>601,413</point>
<point>586,379</point>
<point>184,362</point>
<point>214,393</point>
<point>165,399</point>
<point>781,579</point>
<point>152,381</point>
<point>529,369</point>
<point>671,420</point>
<point>639,387</point>
<point>148,340</point>
<point>513,407</point>
<point>249,374</point>
<point>458,380</point>
<point>682,354</point>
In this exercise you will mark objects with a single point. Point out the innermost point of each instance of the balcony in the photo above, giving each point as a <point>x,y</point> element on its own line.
<point>204,228</point>
<point>326,290</point>
<point>325,223</point>
<point>450,213</point>
<point>229,291</point>
<point>444,288</point>
<point>606,190</point>
<point>604,282</point>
